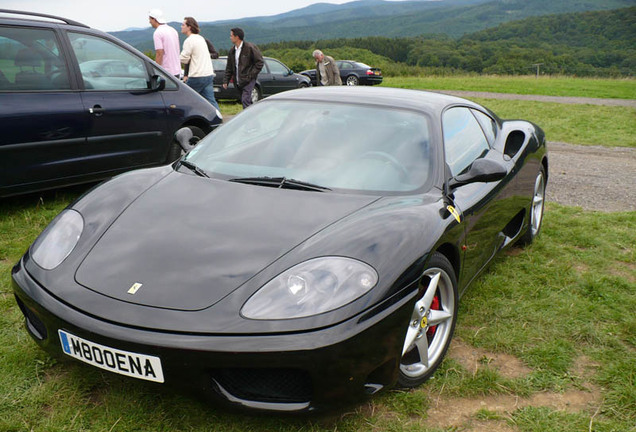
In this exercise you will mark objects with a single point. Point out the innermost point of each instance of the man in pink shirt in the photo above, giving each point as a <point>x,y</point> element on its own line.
<point>166,41</point>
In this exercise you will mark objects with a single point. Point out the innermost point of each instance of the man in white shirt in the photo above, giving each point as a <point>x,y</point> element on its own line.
<point>166,40</point>
<point>195,53</point>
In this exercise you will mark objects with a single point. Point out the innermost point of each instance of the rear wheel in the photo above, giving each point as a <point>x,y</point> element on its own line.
<point>352,80</point>
<point>256,94</point>
<point>432,323</point>
<point>176,151</point>
<point>536,208</point>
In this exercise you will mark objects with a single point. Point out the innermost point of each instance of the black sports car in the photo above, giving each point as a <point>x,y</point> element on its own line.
<point>302,255</point>
<point>352,73</point>
<point>274,78</point>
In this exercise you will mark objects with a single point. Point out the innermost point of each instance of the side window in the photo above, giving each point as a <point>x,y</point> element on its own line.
<point>170,85</point>
<point>219,64</point>
<point>464,141</point>
<point>276,67</point>
<point>488,125</point>
<point>30,59</point>
<point>345,65</point>
<point>107,66</point>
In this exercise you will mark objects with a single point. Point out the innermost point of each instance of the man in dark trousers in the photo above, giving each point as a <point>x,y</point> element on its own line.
<point>244,62</point>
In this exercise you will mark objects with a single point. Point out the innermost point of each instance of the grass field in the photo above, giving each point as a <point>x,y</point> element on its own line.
<point>560,312</point>
<point>552,86</point>
<point>545,341</point>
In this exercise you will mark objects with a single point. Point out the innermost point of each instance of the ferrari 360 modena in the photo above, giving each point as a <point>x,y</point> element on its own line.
<point>309,253</point>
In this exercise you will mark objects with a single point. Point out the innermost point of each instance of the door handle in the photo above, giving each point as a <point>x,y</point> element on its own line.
<point>97,110</point>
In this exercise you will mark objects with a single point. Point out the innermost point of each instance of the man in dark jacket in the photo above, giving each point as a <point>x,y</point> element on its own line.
<point>244,62</point>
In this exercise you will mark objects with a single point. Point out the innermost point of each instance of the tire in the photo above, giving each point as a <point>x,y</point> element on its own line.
<point>432,323</point>
<point>256,94</point>
<point>352,80</point>
<point>176,151</point>
<point>303,85</point>
<point>536,209</point>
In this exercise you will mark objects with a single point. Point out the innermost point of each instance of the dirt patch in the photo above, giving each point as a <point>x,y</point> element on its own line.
<point>473,359</point>
<point>461,412</point>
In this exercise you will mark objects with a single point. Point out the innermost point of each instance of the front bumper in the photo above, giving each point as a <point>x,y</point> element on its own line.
<point>292,372</point>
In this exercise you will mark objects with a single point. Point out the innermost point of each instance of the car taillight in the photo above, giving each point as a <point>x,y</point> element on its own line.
<point>369,72</point>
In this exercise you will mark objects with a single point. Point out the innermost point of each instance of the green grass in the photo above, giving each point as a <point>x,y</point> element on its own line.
<point>607,126</point>
<point>551,86</point>
<point>569,296</point>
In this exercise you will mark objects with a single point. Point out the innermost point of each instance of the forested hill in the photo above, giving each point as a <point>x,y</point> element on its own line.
<point>587,44</point>
<point>381,18</point>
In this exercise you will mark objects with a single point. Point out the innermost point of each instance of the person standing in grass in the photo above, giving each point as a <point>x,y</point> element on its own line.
<point>244,62</point>
<point>327,72</point>
<point>166,41</point>
<point>195,53</point>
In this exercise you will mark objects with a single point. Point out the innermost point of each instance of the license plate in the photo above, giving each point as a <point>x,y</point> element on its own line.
<point>127,363</point>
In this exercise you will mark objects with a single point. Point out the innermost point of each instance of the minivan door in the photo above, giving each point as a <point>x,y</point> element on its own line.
<point>127,121</point>
<point>42,129</point>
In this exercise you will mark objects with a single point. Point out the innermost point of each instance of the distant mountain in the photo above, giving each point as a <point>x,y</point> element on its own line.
<point>380,18</point>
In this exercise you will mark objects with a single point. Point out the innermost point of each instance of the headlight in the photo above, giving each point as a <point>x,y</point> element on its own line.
<point>58,240</point>
<point>310,288</point>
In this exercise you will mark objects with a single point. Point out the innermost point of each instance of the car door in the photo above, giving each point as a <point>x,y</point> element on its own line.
<point>281,76</point>
<point>42,129</point>
<point>127,121</point>
<point>484,207</point>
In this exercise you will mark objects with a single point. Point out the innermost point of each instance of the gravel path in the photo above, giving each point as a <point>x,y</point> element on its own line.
<point>542,98</point>
<point>592,177</point>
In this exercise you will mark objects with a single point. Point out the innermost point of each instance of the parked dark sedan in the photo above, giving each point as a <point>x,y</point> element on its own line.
<point>276,267</point>
<point>78,105</point>
<point>352,73</point>
<point>274,78</point>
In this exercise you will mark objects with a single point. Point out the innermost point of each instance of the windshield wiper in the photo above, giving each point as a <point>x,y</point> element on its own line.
<point>198,171</point>
<point>281,182</point>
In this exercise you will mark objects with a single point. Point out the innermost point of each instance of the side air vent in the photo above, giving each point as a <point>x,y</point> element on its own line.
<point>514,142</point>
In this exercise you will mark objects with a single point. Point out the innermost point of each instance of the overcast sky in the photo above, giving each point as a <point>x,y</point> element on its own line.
<point>112,15</point>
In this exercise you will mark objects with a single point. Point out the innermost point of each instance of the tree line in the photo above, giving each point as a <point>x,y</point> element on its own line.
<point>601,44</point>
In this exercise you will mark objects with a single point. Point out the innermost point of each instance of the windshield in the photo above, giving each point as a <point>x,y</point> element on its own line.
<point>333,145</point>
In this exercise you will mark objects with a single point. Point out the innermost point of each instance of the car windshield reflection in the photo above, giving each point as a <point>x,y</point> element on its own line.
<point>339,146</point>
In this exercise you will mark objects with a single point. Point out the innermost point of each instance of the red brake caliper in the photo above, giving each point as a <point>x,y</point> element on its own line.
<point>435,306</point>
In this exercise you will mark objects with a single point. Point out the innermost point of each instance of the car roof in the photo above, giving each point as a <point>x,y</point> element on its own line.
<point>385,96</point>
<point>17,16</point>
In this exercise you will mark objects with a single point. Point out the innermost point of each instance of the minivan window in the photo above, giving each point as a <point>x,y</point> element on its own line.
<point>30,60</point>
<point>106,66</point>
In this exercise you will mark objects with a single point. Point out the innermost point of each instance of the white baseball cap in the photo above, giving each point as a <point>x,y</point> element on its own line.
<point>158,15</point>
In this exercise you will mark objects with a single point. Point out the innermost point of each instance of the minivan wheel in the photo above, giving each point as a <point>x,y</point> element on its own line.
<point>176,151</point>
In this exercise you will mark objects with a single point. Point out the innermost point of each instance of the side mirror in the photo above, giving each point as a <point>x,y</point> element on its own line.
<point>157,83</point>
<point>482,170</point>
<point>291,72</point>
<point>186,139</point>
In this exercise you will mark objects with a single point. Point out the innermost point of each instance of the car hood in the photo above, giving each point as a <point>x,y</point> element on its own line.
<point>187,242</point>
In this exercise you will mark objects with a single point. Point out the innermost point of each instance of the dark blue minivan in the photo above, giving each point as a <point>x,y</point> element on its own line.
<point>78,105</point>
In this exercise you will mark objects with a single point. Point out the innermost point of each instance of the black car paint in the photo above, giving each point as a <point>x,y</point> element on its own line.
<point>352,70</point>
<point>55,138</point>
<point>267,83</point>
<point>348,353</point>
